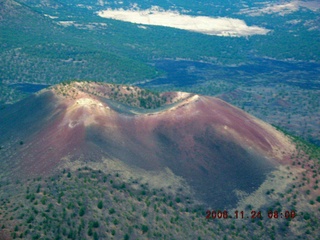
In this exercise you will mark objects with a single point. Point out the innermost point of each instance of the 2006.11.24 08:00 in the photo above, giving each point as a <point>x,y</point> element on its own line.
<point>212,214</point>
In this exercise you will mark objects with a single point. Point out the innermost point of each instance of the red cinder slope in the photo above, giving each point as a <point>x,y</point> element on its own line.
<point>214,146</point>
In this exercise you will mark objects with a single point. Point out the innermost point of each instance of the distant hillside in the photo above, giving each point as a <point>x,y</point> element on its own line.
<point>51,41</point>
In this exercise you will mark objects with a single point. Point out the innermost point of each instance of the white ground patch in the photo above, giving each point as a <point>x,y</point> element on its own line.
<point>84,6</point>
<point>312,5</point>
<point>100,3</point>
<point>202,24</point>
<point>49,16</point>
<point>90,26</point>
<point>90,108</point>
<point>142,27</point>
<point>66,23</point>
<point>294,22</point>
<point>282,8</point>
<point>181,96</point>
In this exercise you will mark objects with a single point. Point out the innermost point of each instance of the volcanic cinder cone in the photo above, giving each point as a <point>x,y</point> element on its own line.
<point>215,147</point>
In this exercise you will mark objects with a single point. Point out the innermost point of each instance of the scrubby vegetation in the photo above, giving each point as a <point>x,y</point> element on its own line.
<point>91,204</point>
<point>130,95</point>
<point>290,107</point>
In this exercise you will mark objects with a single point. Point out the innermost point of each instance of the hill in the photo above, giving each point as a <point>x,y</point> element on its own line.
<point>103,160</point>
<point>190,134</point>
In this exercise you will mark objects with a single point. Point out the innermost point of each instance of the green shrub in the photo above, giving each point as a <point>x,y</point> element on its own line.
<point>82,211</point>
<point>95,236</point>
<point>100,204</point>
<point>90,232</point>
<point>111,211</point>
<point>144,228</point>
<point>95,224</point>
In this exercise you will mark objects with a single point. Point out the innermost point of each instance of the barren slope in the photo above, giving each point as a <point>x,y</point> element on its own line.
<point>216,148</point>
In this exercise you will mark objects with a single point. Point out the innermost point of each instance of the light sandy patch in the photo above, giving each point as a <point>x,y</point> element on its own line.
<point>84,110</point>
<point>49,16</point>
<point>84,6</point>
<point>282,8</point>
<point>312,25</point>
<point>142,27</point>
<point>181,96</point>
<point>312,5</point>
<point>90,26</point>
<point>100,3</point>
<point>66,23</point>
<point>294,22</point>
<point>202,24</point>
